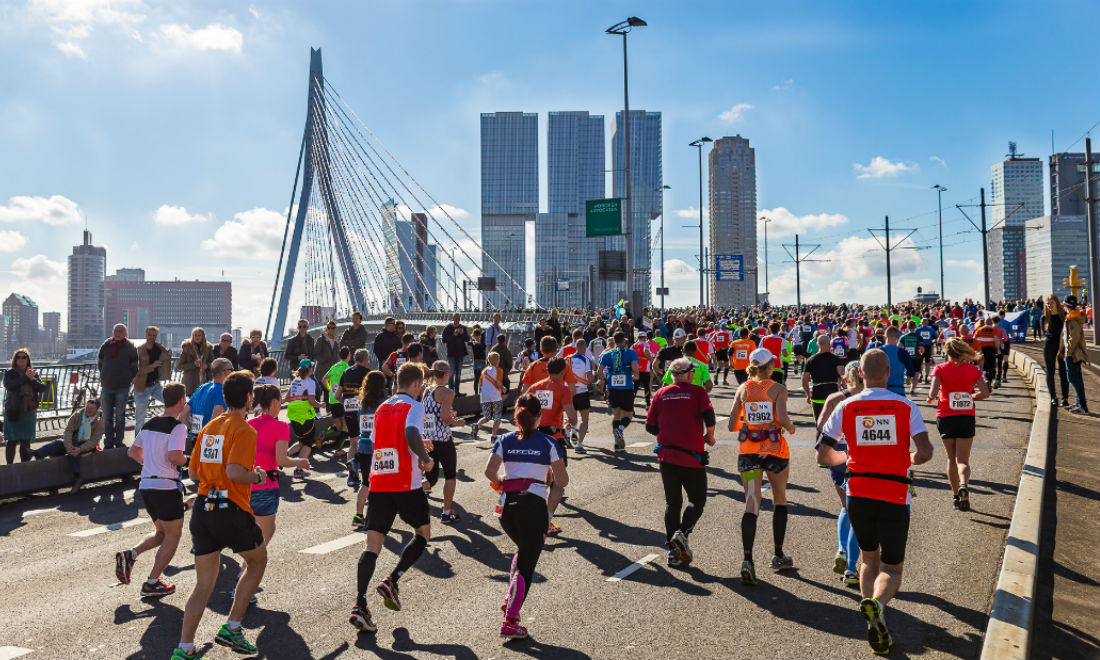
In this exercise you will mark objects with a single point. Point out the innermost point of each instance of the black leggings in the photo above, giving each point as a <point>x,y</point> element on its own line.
<point>446,460</point>
<point>644,382</point>
<point>24,445</point>
<point>989,363</point>
<point>525,520</point>
<point>1052,364</point>
<point>676,480</point>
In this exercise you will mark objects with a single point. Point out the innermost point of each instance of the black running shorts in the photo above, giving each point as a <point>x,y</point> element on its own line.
<point>582,401</point>
<point>722,355</point>
<point>880,526</point>
<point>766,462</point>
<point>621,399</point>
<point>956,426</point>
<point>231,527</point>
<point>444,454</point>
<point>166,505</point>
<point>384,507</point>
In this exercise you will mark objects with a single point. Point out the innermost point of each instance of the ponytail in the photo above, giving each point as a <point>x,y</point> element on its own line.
<point>528,410</point>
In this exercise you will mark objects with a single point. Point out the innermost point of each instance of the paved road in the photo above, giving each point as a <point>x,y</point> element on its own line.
<point>61,600</point>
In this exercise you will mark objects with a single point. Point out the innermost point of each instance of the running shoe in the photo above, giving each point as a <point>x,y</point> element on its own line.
<point>299,473</point>
<point>580,448</point>
<point>180,654</point>
<point>473,432</point>
<point>358,521</point>
<point>510,630</point>
<point>448,517</point>
<point>748,572</point>
<point>680,545</point>
<point>361,620</point>
<point>234,639</point>
<point>619,441</point>
<point>782,563</point>
<point>996,383</point>
<point>878,635</point>
<point>674,558</point>
<point>567,440</point>
<point>553,530</point>
<point>124,563</point>
<point>157,589</point>
<point>956,502</point>
<point>388,590</point>
<point>840,562</point>
<point>851,578</point>
<point>964,499</point>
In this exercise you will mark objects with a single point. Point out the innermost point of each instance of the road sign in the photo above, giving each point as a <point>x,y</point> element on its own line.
<point>603,217</point>
<point>563,285</point>
<point>662,291</point>
<point>729,267</point>
<point>611,265</point>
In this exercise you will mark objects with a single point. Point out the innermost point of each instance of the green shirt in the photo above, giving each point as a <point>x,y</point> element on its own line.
<point>335,372</point>
<point>698,377</point>
<point>661,341</point>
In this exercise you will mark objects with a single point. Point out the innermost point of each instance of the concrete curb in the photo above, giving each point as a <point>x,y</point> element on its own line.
<point>1008,634</point>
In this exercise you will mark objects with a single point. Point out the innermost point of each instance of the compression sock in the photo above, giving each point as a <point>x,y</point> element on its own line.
<point>517,592</point>
<point>779,527</point>
<point>409,555</point>
<point>853,550</point>
<point>624,422</point>
<point>748,533</point>
<point>843,526</point>
<point>363,575</point>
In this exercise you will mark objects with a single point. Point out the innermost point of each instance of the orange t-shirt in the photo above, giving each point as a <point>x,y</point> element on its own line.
<point>553,396</point>
<point>226,439</point>
<point>739,351</point>
<point>538,371</point>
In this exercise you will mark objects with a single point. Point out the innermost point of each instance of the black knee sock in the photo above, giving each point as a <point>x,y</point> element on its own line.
<point>748,533</point>
<point>409,555</point>
<point>363,575</point>
<point>779,527</point>
<point>624,422</point>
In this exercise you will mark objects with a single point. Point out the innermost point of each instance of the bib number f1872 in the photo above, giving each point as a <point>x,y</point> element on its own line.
<point>877,430</point>
<point>961,401</point>
<point>386,461</point>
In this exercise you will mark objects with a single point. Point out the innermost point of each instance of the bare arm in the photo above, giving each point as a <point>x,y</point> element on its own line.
<point>492,469</point>
<point>282,460</point>
<point>923,452</point>
<point>561,477</point>
<point>934,389</point>
<point>735,412</point>
<point>983,390</point>
<point>242,475</point>
<point>138,455</point>
<point>446,409</point>
<point>175,457</point>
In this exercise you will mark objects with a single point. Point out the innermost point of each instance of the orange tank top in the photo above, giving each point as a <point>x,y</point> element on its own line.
<point>758,431</point>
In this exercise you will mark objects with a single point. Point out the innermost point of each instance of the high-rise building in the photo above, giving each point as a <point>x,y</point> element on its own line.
<point>1016,197</point>
<point>411,262</point>
<point>87,292</point>
<point>575,163</point>
<point>1067,183</point>
<point>509,200</point>
<point>1054,243</point>
<point>732,166</point>
<point>1007,263</point>
<point>127,275</point>
<point>314,315</point>
<point>175,307</point>
<point>51,326</point>
<point>22,326</point>
<point>645,182</point>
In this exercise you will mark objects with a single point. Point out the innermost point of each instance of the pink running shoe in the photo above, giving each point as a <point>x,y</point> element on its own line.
<point>510,630</point>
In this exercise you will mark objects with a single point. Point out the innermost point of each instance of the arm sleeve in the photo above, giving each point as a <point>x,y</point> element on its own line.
<point>708,418</point>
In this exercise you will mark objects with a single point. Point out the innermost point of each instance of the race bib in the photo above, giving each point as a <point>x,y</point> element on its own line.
<point>213,447</point>
<point>429,426</point>
<point>742,354</point>
<point>351,403</point>
<point>759,412</point>
<point>878,430</point>
<point>960,401</point>
<point>196,424</point>
<point>399,361</point>
<point>839,352</point>
<point>912,350</point>
<point>386,461</point>
<point>366,423</point>
<point>618,380</point>
<point>546,398</point>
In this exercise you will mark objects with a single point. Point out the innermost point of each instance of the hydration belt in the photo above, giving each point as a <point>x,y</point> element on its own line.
<point>216,499</point>
<point>759,435</point>
<point>703,456</point>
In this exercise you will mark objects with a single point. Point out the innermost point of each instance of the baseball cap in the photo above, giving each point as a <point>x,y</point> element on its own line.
<point>679,333</point>
<point>761,356</point>
<point>305,363</point>
<point>1070,301</point>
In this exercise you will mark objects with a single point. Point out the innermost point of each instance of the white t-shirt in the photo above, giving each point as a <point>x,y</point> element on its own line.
<point>489,392</point>
<point>303,387</point>
<point>265,380</point>
<point>158,437</point>
<point>582,364</point>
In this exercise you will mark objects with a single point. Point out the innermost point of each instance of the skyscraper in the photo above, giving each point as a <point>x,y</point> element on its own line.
<point>1067,179</point>
<point>22,327</point>
<point>732,165</point>
<point>575,174</point>
<point>1054,243</point>
<point>1007,263</point>
<point>645,180</point>
<point>411,269</point>
<point>87,273</point>
<point>176,307</point>
<point>1017,196</point>
<point>509,200</point>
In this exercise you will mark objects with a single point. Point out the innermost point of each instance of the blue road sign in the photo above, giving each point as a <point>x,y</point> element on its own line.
<point>729,267</point>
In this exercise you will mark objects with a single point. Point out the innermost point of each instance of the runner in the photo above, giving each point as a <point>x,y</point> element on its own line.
<point>759,416</point>
<point>703,348</point>
<point>492,397</point>
<point>820,377</point>
<point>673,351</point>
<point>583,368</point>
<point>400,454</point>
<point>439,417</point>
<point>158,448</point>
<point>683,419</point>
<point>1002,355</point>
<point>954,382</point>
<point>927,333</point>
<point>913,345</point>
<point>272,439</point>
<point>722,338</point>
<point>301,410</point>
<point>878,426</point>
<point>207,402</point>
<point>740,349</point>
<point>647,352</point>
<point>619,369</point>
<point>555,400</point>
<point>525,456</point>
<point>901,367</point>
<point>528,355</point>
<point>371,395</point>
<point>329,384</point>
<point>347,391</point>
<point>989,345</point>
<point>778,347</point>
<point>222,466</point>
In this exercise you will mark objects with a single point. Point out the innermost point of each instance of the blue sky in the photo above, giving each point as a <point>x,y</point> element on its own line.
<point>171,124</point>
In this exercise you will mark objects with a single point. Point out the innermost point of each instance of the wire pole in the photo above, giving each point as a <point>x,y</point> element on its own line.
<point>889,248</point>
<point>985,251</point>
<point>939,198</point>
<point>1090,225</point>
<point>798,259</point>
<point>766,221</point>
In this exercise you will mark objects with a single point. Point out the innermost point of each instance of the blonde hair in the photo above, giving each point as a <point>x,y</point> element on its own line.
<point>755,369</point>
<point>493,359</point>
<point>852,375</point>
<point>957,349</point>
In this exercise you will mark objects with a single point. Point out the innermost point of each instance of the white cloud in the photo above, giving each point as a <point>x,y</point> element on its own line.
<point>691,213</point>
<point>54,210</point>
<point>38,268</point>
<point>176,215</point>
<point>937,159</point>
<point>71,49</point>
<point>252,10</point>
<point>254,234</point>
<point>682,280</point>
<point>735,114</point>
<point>212,37</point>
<point>786,84</point>
<point>12,241</point>
<point>135,246</point>
<point>880,167</point>
<point>72,21</point>
<point>453,211</point>
<point>785,223</point>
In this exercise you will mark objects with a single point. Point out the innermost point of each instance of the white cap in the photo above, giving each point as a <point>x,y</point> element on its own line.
<point>679,333</point>
<point>761,356</point>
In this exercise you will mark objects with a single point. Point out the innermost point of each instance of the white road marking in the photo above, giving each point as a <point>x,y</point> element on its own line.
<point>110,528</point>
<point>633,567</point>
<point>9,652</point>
<point>336,544</point>
<point>35,512</point>
<point>638,444</point>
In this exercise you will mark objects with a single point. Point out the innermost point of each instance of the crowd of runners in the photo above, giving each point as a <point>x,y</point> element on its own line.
<point>220,448</point>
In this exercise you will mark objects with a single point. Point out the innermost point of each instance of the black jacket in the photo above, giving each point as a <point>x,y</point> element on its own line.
<point>354,339</point>
<point>298,345</point>
<point>117,372</point>
<point>21,394</point>
<point>385,343</point>
<point>455,342</point>
<point>229,354</point>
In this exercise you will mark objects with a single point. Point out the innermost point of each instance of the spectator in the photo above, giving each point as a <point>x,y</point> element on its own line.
<point>82,434</point>
<point>555,325</point>
<point>224,349</point>
<point>326,352</point>
<point>507,360</point>
<point>477,351</point>
<point>1073,342</point>
<point>21,388</point>
<point>493,331</point>
<point>252,352</point>
<point>543,330</point>
<point>300,346</point>
<point>355,337</point>
<point>118,365</point>
<point>154,365</point>
<point>196,354</point>
<point>429,342</point>
<point>387,341</point>
<point>455,338</point>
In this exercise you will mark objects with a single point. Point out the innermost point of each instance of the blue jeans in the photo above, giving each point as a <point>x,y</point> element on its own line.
<point>1073,372</point>
<point>456,371</point>
<point>141,404</point>
<point>57,448</point>
<point>114,415</point>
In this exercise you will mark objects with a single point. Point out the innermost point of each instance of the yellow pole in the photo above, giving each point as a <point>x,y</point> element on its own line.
<point>1074,283</point>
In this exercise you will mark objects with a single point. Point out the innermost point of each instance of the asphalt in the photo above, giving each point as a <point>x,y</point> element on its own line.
<point>61,599</point>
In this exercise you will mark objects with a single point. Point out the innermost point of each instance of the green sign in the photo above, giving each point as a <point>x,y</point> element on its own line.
<point>603,217</point>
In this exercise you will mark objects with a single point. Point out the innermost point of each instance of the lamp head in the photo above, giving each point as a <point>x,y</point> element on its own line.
<point>623,27</point>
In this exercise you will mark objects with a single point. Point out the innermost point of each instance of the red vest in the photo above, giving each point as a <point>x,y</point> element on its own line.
<point>392,464</point>
<point>878,436</point>
<point>774,343</point>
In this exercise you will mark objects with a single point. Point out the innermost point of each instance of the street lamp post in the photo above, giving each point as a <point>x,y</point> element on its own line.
<point>766,221</point>
<point>623,28</point>
<point>661,192</point>
<point>939,197</point>
<point>702,266</point>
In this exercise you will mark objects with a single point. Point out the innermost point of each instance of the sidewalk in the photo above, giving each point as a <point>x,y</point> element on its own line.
<point>1067,603</point>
